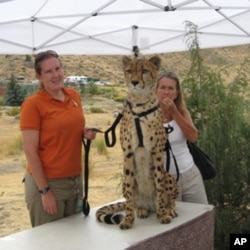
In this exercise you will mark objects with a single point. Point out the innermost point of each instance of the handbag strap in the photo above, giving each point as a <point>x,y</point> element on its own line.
<point>168,150</point>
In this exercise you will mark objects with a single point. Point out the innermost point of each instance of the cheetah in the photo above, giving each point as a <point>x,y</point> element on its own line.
<point>146,186</point>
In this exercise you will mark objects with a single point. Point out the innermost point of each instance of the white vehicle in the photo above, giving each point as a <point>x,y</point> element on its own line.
<point>103,83</point>
<point>75,80</point>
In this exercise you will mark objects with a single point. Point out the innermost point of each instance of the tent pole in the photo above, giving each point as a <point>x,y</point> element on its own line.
<point>135,40</point>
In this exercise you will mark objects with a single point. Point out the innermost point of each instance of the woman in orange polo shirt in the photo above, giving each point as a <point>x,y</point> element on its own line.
<point>52,124</point>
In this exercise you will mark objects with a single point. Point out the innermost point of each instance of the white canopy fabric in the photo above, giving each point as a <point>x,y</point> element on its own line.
<point>116,27</point>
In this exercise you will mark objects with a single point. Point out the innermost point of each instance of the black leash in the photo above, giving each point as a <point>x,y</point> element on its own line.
<point>85,205</point>
<point>112,130</point>
<point>168,149</point>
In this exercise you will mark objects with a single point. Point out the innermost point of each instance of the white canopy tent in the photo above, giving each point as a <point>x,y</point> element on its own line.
<point>109,27</point>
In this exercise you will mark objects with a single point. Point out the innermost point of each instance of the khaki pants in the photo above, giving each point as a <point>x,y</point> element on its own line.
<point>192,187</point>
<point>68,192</point>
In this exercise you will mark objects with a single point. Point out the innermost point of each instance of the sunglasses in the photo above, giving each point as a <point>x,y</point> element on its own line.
<point>45,54</point>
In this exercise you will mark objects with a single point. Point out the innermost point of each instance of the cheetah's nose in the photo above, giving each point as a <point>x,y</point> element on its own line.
<point>134,82</point>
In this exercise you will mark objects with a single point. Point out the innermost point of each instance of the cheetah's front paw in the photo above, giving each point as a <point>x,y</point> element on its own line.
<point>126,224</point>
<point>165,218</point>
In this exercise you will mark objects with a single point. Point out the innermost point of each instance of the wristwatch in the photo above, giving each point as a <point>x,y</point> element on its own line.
<point>44,190</point>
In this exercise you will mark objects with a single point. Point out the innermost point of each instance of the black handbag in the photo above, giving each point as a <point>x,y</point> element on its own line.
<point>202,161</point>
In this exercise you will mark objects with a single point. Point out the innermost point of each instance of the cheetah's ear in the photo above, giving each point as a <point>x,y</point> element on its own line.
<point>126,60</point>
<point>156,60</point>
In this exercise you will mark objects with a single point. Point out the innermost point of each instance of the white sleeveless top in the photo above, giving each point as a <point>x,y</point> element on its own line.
<point>180,149</point>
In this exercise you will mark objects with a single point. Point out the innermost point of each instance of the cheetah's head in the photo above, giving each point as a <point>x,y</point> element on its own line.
<point>140,77</point>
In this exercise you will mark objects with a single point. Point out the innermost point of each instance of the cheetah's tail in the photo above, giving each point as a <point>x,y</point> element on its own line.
<point>107,214</point>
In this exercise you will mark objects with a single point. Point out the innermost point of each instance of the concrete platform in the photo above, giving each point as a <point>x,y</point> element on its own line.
<point>192,229</point>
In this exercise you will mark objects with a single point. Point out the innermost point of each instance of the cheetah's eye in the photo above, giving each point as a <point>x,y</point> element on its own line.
<point>144,71</point>
<point>129,71</point>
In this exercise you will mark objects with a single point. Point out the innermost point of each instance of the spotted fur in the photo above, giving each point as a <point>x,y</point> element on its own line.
<point>146,186</point>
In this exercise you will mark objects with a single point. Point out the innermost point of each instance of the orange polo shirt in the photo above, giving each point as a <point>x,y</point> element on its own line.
<point>60,126</point>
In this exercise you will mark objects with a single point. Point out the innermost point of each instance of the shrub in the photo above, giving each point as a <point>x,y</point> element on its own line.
<point>96,110</point>
<point>1,101</point>
<point>107,91</point>
<point>119,98</point>
<point>14,111</point>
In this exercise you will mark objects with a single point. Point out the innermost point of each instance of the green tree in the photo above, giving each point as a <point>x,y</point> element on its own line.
<point>220,112</point>
<point>15,95</point>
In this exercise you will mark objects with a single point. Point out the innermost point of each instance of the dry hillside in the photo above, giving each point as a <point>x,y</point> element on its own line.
<point>109,67</point>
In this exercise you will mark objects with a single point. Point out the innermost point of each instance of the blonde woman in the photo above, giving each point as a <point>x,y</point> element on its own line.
<point>176,115</point>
